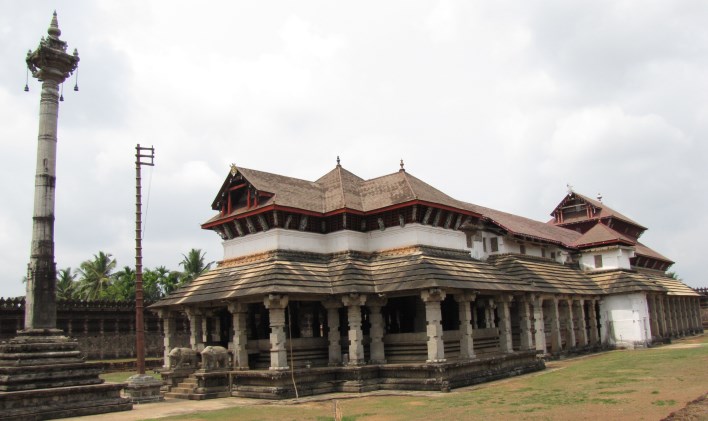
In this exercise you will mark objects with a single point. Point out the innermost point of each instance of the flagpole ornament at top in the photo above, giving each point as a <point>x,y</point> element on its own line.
<point>50,61</point>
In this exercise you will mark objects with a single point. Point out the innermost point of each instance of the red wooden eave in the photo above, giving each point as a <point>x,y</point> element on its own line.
<point>337,211</point>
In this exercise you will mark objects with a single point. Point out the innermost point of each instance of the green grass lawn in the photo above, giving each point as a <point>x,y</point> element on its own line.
<point>640,384</point>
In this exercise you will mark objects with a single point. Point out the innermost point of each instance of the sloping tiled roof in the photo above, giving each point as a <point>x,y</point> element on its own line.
<point>642,250</point>
<point>624,281</point>
<point>601,234</point>
<point>515,224</point>
<point>546,275</point>
<point>287,272</point>
<point>289,191</point>
<point>605,211</point>
<point>339,189</point>
<point>675,286</point>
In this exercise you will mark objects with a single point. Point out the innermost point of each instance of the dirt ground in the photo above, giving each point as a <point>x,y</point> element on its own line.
<point>597,386</point>
<point>693,411</point>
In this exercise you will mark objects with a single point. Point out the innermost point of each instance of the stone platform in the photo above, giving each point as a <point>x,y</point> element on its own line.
<point>43,375</point>
<point>272,384</point>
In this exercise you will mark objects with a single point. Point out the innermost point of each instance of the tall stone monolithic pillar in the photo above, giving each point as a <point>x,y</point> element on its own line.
<point>40,352</point>
<point>52,65</point>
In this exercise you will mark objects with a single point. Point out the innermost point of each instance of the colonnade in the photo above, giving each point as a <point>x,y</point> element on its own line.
<point>544,323</point>
<point>672,316</point>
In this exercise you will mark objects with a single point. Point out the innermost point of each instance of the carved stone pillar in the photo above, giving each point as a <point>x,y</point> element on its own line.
<point>592,316</point>
<point>276,305</point>
<point>569,325</point>
<point>436,347</point>
<point>466,330</point>
<point>679,316</point>
<point>555,327</point>
<point>335,349</point>
<point>239,318</point>
<point>653,317</point>
<point>376,333</point>
<point>526,335</point>
<point>205,326</point>
<point>661,316</point>
<point>505,343</point>
<point>353,302</point>
<point>539,324</point>
<point>670,325</point>
<point>582,335</point>
<point>697,310</point>
<point>216,329</point>
<point>684,313</point>
<point>169,328</point>
<point>196,339</point>
<point>489,321</point>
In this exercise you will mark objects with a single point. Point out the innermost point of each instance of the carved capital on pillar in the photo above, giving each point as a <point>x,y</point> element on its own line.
<point>432,294</point>
<point>166,313</point>
<point>275,301</point>
<point>504,298</point>
<point>331,303</point>
<point>376,301</point>
<point>466,296</point>
<point>192,312</point>
<point>236,307</point>
<point>354,300</point>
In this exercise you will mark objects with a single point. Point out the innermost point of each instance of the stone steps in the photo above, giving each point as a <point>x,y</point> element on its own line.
<point>187,390</point>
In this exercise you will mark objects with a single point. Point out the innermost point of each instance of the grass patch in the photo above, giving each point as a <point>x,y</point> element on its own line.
<point>664,403</point>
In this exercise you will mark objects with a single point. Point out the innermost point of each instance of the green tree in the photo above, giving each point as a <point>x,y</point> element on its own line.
<point>66,284</point>
<point>95,276</point>
<point>193,265</point>
<point>159,282</point>
<point>122,287</point>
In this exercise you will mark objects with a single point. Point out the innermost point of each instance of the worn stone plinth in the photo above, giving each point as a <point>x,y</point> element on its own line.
<point>43,375</point>
<point>143,388</point>
<point>270,384</point>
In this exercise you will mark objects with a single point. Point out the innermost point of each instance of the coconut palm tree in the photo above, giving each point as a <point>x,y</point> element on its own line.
<point>95,276</point>
<point>122,287</point>
<point>66,284</point>
<point>193,265</point>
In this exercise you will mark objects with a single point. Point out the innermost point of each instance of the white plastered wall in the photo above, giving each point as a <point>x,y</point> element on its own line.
<point>390,238</point>
<point>625,320</point>
<point>612,258</point>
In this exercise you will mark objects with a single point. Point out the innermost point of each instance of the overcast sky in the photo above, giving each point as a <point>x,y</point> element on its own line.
<point>496,103</point>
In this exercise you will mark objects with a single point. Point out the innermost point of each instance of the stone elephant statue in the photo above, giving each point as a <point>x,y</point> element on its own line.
<point>183,358</point>
<point>215,358</point>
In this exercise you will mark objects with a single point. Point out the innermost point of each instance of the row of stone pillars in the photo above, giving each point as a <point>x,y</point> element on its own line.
<point>531,320</point>
<point>674,316</point>
<point>577,332</point>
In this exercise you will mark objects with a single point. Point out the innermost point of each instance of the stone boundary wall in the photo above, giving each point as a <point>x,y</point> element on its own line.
<point>704,305</point>
<point>104,329</point>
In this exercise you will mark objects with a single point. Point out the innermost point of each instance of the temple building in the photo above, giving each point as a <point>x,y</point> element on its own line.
<point>346,284</point>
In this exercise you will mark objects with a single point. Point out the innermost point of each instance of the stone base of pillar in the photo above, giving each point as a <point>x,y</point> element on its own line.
<point>143,388</point>
<point>43,374</point>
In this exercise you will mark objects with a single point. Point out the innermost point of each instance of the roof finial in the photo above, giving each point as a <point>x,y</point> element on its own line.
<point>54,30</point>
<point>402,168</point>
<point>338,160</point>
<point>599,197</point>
<point>234,170</point>
<point>570,188</point>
